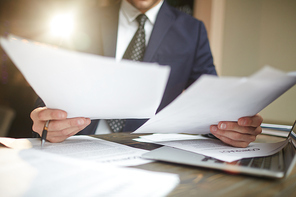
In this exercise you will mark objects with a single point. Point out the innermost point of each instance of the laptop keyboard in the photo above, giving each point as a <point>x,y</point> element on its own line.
<point>257,162</point>
<point>260,162</point>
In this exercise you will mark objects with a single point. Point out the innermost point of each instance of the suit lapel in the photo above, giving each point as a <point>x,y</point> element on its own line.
<point>164,21</point>
<point>109,27</point>
<point>109,20</point>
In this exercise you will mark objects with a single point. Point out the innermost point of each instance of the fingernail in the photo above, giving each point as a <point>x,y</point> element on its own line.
<point>213,128</point>
<point>61,115</point>
<point>88,121</point>
<point>223,126</point>
<point>80,122</point>
<point>243,122</point>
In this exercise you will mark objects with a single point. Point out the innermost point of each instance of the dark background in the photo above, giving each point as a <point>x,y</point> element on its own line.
<point>28,19</point>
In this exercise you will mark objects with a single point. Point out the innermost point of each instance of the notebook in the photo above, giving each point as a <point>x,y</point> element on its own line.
<point>278,165</point>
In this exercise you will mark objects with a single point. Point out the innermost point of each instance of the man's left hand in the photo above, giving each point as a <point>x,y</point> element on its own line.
<point>240,133</point>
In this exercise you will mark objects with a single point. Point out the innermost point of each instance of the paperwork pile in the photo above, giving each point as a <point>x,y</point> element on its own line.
<point>213,147</point>
<point>36,173</point>
<point>79,166</point>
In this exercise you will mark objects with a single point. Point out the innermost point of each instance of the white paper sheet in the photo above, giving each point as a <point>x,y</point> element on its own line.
<point>164,137</point>
<point>217,149</point>
<point>37,173</point>
<point>211,99</point>
<point>94,149</point>
<point>86,85</point>
<point>86,148</point>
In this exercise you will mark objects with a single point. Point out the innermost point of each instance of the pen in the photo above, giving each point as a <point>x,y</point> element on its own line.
<point>44,133</point>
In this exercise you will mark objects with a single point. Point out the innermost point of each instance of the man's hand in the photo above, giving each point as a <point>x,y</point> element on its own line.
<point>240,133</point>
<point>60,127</point>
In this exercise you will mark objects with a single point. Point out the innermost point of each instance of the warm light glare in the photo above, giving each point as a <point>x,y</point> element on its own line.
<point>62,25</point>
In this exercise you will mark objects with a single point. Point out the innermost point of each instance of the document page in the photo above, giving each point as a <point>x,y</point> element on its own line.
<point>212,99</point>
<point>29,172</point>
<point>164,137</point>
<point>87,85</point>
<point>219,150</point>
<point>84,147</point>
<point>94,149</point>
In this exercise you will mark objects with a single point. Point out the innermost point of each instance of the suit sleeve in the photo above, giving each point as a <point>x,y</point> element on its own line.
<point>203,62</point>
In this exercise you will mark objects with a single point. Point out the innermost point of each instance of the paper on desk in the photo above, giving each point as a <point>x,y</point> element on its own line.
<point>94,149</point>
<point>86,85</point>
<point>211,99</point>
<point>86,148</point>
<point>217,149</point>
<point>212,147</point>
<point>37,173</point>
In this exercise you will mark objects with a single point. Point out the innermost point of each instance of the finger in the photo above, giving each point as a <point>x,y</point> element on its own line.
<point>234,126</point>
<point>40,115</point>
<point>233,135</point>
<point>59,125</point>
<point>258,130</point>
<point>226,140</point>
<point>254,121</point>
<point>66,132</point>
<point>59,136</point>
<point>35,112</point>
<point>37,123</point>
<point>56,139</point>
<point>51,114</point>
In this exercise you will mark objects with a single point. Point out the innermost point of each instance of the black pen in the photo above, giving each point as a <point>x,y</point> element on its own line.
<point>44,133</point>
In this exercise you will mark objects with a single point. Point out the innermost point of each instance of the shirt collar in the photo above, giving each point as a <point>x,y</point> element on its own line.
<point>131,13</point>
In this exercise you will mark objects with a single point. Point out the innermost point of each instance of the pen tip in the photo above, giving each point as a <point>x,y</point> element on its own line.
<point>42,143</point>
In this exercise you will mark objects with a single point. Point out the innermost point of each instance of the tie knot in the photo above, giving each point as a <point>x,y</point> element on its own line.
<point>141,19</point>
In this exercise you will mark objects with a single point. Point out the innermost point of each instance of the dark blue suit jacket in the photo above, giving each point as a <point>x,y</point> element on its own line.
<point>177,40</point>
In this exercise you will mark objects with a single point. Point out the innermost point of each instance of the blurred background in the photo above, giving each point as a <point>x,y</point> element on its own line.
<point>244,35</point>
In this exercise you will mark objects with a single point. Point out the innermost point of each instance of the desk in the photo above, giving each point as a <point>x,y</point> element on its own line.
<point>206,182</point>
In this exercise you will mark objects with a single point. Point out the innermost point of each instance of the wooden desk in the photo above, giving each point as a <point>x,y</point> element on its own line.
<point>196,181</point>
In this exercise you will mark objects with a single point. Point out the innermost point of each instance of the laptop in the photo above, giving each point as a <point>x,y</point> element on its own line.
<point>278,165</point>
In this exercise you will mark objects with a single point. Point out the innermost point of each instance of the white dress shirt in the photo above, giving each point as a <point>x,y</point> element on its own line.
<point>127,27</point>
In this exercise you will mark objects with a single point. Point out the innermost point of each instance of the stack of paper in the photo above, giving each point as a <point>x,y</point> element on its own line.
<point>213,147</point>
<point>86,148</point>
<point>37,173</point>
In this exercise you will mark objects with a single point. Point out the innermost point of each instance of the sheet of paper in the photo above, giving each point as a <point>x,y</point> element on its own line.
<point>217,149</point>
<point>37,173</point>
<point>212,99</point>
<point>86,148</point>
<point>94,149</point>
<point>163,137</point>
<point>86,85</point>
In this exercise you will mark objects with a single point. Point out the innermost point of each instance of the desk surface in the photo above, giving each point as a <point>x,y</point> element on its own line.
<point>206,182</point>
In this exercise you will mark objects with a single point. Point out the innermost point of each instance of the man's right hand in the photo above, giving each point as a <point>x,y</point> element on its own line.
<point>60,127</point>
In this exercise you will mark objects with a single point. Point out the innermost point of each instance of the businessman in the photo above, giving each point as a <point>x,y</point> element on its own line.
<point>149,31</point>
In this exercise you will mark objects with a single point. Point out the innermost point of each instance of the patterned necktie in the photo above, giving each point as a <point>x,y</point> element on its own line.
<point>136,48</point>
<point>135,51</point>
